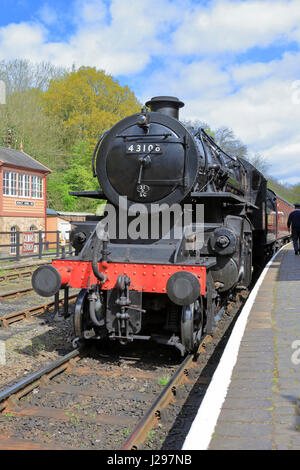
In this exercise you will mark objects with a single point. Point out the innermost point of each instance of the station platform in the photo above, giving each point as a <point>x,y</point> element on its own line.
<point>253,401</point>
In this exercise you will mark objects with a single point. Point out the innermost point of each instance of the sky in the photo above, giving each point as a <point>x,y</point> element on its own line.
<point>234,63</point>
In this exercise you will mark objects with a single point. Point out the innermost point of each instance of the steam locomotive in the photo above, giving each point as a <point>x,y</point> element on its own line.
<point>143,273</point>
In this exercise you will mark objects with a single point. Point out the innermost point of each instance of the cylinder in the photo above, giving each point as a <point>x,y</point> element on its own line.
<point>168,105</point>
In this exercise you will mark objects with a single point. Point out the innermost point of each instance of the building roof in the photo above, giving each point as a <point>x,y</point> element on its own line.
<point>18,158</point>
<point>74,214</point>
<point>51,211</point>
<point>78,214</point>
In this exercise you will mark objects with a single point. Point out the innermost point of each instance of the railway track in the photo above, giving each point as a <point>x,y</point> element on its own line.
<point>157,414</point>
<point>43,380</point>
<point>18,272</point>
<point>102,400</point>
<point>28,313</point>
<point>9,398</point>
<point>16,275</point>
<point>15,293</point>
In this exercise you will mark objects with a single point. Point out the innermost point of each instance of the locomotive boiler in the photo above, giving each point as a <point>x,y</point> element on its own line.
<point>184,226</point>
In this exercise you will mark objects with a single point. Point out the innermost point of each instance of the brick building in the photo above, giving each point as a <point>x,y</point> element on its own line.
<point>23,194</point>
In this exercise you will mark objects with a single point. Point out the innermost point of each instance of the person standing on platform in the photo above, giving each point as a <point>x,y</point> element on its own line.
<point>294,221</point>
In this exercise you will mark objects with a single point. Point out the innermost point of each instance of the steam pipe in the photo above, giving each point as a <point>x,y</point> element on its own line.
<point>98,275</point>
<point>92,304</point>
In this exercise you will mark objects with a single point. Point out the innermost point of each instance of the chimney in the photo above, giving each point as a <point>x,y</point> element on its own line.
<point>21,146</point>
<point>168,105</point>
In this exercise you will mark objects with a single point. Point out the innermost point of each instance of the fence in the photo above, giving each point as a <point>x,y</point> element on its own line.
<point>34,244</point>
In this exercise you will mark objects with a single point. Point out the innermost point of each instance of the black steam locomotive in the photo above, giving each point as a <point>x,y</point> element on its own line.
<point>184,227</point>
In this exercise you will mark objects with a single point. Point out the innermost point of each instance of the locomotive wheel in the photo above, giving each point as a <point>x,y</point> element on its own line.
<point>81,307</point>
<point>191,326</point>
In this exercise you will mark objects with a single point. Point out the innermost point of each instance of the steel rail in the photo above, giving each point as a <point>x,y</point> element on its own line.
<point>156,412</point>
<point>29,312</point>
<point>28,384</point>
<point>10,271</point>
<point>15,275</point>
<point>15,293</point>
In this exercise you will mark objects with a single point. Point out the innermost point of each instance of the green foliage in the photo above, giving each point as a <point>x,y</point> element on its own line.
<point>42,137</point>
<point>77,177</point>
<point>164,380</point>
<point>289,193</point>
<point>87,102</point>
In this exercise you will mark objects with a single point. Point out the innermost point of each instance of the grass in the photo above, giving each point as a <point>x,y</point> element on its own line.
<point>164,380</point>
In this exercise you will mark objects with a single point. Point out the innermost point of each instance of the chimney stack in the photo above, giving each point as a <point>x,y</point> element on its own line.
<point>168,105</point>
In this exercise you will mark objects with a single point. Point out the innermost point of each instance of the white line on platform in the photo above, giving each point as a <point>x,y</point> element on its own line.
<point>203,426</point>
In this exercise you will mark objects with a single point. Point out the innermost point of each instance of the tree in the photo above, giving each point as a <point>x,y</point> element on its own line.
<point>87,102</point>
<point>22,116</point>
<point>41,136</point>
<point>223,136</point>
<point>227,141</point>
<point>20,74</point>
<point>194,125</point>
<point>260,163</point>
<point>58,115</point>
<point>77,177</point>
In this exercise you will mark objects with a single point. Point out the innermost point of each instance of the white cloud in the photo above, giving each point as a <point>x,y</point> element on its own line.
<point>21,40</point>
<point>198,80</point>
<point>47,14</point>
<point>258,114</point>
<point>260,102</point>
<point>284,161</point>
<point>120,39</point>
<point>230,26</point>
<point>287,67</point>
<point>90,11</point>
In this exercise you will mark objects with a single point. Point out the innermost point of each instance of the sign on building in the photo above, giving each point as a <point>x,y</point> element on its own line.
<point>28,242</point>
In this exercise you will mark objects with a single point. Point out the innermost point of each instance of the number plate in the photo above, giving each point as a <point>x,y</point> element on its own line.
<point>151,148</point>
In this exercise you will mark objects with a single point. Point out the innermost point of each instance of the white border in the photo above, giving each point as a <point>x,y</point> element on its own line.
<point>203,426</point>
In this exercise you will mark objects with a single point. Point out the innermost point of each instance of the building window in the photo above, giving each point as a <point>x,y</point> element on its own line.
<point>24,185</point>
<point>6,183</point>
<point>27,185</point>
<point>37,187</point>
<point>21,191</point>
<point>13,240</point>
<point>24,188</point>
<point>9,183</point>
